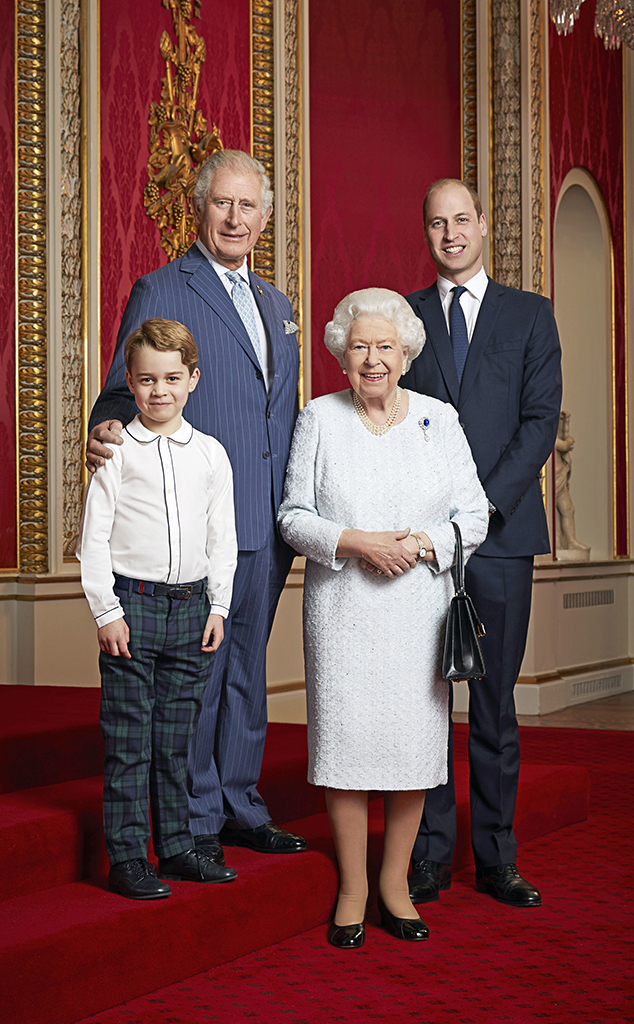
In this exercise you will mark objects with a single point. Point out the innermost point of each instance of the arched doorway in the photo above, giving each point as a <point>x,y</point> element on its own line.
<point>582,260</point>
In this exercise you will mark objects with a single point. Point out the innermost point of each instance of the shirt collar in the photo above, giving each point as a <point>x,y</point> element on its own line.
<point>144,436</point>
<point>476,285</point>
<point>221,270</point>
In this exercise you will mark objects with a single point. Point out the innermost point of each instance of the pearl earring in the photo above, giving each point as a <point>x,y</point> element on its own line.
<point>345,371</point>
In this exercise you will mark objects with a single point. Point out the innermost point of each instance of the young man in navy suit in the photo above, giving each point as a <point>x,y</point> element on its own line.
<point>247,399</point>
<point>493,353</point>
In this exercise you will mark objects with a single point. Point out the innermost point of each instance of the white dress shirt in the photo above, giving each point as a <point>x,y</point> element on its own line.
<point>243,271</point>
<point>160,510</point>
<point>470,300</point>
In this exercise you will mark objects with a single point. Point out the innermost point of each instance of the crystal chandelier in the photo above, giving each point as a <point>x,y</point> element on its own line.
<point>613,20</point>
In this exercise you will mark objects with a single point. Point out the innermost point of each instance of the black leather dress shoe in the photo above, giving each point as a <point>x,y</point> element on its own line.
<point>346,936</point>
<point>137,880</point>
<point>427,880</point>
<point>194,866</point>
<point>210,846</point>
<point>266,838</point>
<point>414,930</point>
<point>505,883</point>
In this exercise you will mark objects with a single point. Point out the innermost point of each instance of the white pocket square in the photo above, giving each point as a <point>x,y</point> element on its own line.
<point>290,327</point>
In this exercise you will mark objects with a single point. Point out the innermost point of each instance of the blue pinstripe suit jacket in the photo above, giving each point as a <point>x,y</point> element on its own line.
<point>231,401</point>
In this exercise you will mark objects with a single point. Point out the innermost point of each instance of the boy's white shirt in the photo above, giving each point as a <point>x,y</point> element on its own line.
<point>160,510</point>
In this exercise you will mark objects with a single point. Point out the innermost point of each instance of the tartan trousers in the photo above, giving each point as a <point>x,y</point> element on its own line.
<point>150,705</point>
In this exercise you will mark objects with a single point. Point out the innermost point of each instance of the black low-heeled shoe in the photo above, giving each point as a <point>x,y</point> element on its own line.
<point>414,930</point>
<point>346,936</point>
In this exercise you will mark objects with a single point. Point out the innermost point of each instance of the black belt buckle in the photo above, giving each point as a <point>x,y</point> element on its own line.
<point>182,593</point>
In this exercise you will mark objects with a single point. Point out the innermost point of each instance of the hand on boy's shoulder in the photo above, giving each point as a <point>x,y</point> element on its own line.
<point>108,432</point>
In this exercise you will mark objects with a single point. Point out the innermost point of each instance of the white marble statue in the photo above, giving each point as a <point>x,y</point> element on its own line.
<point>569,549</point>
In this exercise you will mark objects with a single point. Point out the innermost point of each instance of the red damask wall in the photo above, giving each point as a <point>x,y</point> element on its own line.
<point>8,555</point>
<point>131,72</point>
<point>586,130</point>
<point>384,123</point>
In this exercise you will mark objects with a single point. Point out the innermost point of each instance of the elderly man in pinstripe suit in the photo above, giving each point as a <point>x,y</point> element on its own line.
<point>247,399</point>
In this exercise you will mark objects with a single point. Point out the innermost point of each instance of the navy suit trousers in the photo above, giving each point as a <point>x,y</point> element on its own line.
<point>225,754</point>
<point>501,589</point>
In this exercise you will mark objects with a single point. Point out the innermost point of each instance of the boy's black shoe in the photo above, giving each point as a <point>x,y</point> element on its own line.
<point>210,845</point>
<point>194,866</point>
<point>137,880</point>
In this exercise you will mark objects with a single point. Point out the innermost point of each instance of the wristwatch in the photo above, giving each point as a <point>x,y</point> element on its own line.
<point>422,550</point>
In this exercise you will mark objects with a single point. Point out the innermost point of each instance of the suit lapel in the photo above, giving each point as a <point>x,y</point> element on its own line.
<point>487,316</point>
<point>206,283</point>
<point>431,313</point>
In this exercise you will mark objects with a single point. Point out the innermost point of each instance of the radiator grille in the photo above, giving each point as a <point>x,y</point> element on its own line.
<point>591,686</point>
<point>588,598</point>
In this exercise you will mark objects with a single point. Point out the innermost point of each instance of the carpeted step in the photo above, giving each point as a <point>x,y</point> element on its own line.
<point>78,945</point>
<point>75,949</point>
<point>53,835</point>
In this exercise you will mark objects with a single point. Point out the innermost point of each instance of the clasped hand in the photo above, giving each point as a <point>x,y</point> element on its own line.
<point>391,551</point>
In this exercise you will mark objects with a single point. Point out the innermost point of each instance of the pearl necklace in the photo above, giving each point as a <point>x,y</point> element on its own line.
<point>377,428</point>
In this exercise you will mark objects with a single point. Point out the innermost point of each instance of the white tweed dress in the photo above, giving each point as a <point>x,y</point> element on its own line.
<point>377,704</point>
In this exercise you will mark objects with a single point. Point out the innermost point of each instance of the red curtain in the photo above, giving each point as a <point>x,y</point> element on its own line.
<point>131,72</point>
<point>586,130</point>
<point>384,123</point>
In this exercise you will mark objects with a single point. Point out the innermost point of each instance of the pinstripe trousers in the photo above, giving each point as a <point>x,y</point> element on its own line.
<point>226,751</point>
<point>150,704</point>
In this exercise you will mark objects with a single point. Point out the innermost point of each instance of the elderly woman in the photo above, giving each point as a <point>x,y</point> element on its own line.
<point>375,476</point>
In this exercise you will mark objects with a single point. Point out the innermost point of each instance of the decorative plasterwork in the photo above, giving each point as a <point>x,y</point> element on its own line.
<point>72,275</point>
<point>262,121</point>
<point>293,192</point>
<point>506,242</point>
<point>30,86</point>
<point>180,137</point>
<point>469,97</point>
<point>537,143</point>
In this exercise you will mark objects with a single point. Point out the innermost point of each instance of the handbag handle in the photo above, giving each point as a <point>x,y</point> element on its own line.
<point>458,569</point>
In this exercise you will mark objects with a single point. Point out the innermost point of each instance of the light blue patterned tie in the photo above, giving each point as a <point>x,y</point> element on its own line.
<point>243,301</point>
<point>458,331</point>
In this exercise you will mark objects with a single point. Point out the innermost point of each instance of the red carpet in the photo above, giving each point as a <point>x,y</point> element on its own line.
<point>68,948</point>
<point>568,962</point>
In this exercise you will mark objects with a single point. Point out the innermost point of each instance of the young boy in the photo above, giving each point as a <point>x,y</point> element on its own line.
<point>158,552</point>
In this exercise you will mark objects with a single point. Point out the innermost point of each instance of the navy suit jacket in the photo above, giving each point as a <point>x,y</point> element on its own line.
<point>508,402</point>
<point>231,401</point>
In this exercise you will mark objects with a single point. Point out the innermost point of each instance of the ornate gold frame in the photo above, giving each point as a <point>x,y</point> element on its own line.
<point>263,122</point>
<point>31,285</point>
<point>506,157</point>
<point>468,93</point>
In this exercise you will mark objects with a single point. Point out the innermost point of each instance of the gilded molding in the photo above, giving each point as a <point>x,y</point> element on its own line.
<point>262,121</point>
<point>537,144</point>
<point>72,276</point>
<point>506,142</point>
<point>293,182</point>
<point>31,284</point>
<point>180,141</point>
<point>468,94</point>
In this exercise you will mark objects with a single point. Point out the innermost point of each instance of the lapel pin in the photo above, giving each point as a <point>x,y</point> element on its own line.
<point>259,289</point>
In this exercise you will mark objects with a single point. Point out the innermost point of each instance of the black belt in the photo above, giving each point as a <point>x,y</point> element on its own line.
<point>178,591</point>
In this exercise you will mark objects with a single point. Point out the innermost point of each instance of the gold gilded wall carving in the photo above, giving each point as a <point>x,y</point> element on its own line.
<point>30,85</point>
<point>538,253</point>
<point>469,98</point>
<point>263,121</point>
<point>72,276</point>
<point>506,211</point>
<point>180,139</point>
<point>293,183</point>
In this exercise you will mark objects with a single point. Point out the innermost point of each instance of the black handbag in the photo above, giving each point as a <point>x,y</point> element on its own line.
<point>462,657</point>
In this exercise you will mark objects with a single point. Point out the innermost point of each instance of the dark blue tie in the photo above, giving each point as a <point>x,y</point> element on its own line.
<point>458,331</point>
